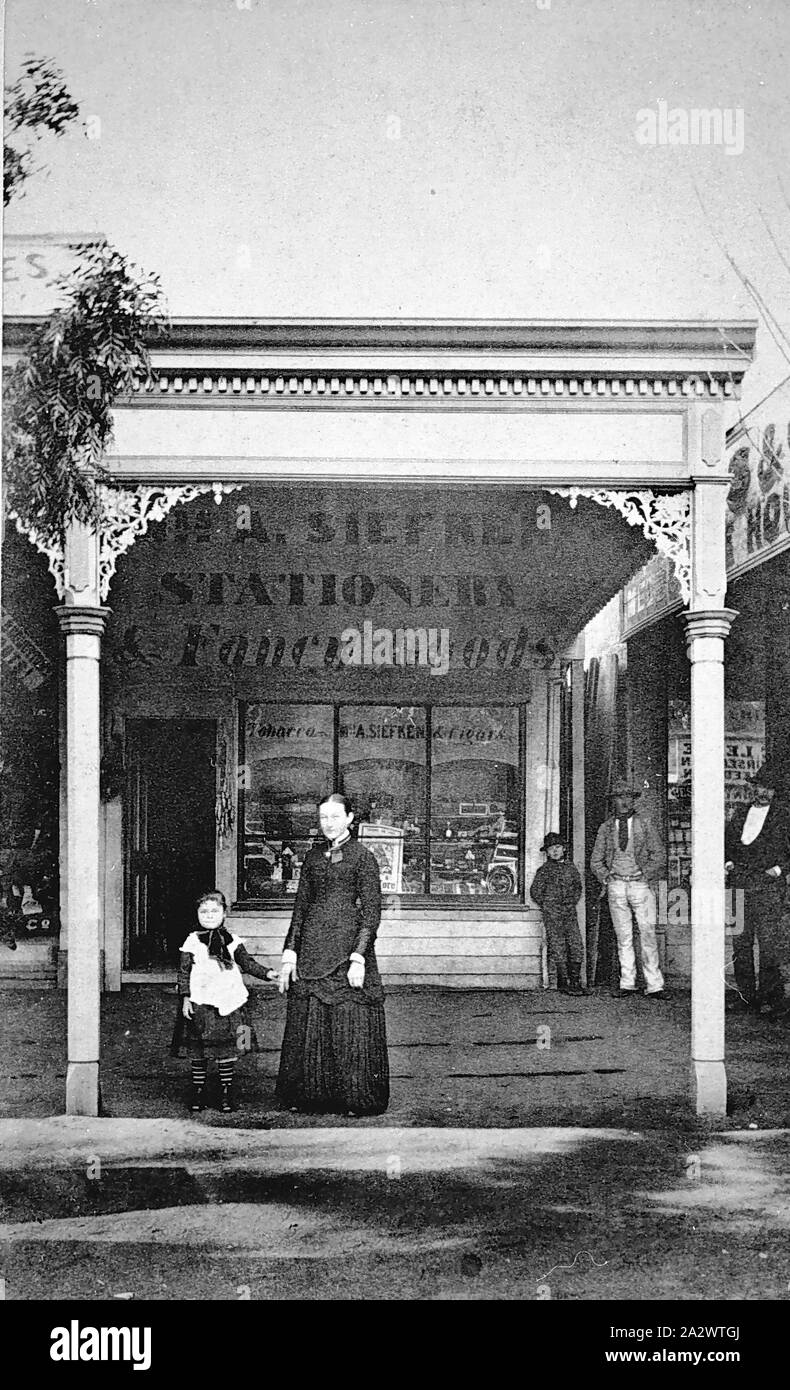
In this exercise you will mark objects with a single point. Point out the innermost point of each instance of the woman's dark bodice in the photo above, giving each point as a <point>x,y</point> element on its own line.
<point>337,911</point>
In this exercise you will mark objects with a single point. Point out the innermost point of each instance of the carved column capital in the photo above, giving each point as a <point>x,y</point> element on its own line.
<point>707,623</point>
<point>81,620</point>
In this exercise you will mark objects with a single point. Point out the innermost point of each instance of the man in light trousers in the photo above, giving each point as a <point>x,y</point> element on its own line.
<point>627,859</point>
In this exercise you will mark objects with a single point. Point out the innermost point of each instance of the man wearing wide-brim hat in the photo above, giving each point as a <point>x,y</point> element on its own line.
<point>757,854</point>
<point>628,859</point>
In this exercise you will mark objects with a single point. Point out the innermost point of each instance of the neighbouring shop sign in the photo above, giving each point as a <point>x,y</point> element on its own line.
<point>33,264</point>
<point>300,580</point>
<point>758,511</point>
<point>653,592</point>
<point>758,502</point>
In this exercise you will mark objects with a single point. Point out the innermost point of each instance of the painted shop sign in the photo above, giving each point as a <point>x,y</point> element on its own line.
<point>277,582</point>
<point>271,733</point>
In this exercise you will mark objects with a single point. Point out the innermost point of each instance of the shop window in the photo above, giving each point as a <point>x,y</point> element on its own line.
<point>435,790</point>
<point>287,762</point>
<point>382,766</point>
<point>474,801</point>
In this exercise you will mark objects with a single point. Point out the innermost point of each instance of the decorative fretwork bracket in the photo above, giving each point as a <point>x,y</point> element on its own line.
<point>126,514</point>
<point>664,518</point>
<point>53,550</point>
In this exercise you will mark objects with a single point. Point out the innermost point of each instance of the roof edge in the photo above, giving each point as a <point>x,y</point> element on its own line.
<point>730,340</point>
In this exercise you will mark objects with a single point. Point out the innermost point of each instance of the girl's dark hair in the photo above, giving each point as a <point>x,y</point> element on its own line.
<point>212,895</point>
<point>344,801</point>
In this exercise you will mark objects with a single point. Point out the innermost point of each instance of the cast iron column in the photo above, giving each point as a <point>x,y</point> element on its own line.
<point>83,626</point>
<point>707,624</point>
<point>705,634</point>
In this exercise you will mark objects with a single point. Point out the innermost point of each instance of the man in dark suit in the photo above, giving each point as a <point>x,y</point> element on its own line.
<point>757,853</point>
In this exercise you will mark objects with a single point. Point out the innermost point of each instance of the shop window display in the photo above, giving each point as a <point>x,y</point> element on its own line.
<point>286,768</point>
<point>382,766</point>
<point>474,801</point>
<point>435,791</point>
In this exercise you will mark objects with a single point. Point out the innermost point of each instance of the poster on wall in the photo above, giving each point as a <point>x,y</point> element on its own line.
<point>744,751</point>
<point>385,843</point>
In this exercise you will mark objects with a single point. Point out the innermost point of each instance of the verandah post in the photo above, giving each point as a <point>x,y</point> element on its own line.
<point>82,621</point>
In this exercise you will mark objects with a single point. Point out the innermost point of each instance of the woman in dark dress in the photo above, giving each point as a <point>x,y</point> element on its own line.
<point>334,1051</point>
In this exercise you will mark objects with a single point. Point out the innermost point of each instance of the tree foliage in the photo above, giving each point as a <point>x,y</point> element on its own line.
<point>57,423</point>
<point>36,103</point>
<point>86,354</point>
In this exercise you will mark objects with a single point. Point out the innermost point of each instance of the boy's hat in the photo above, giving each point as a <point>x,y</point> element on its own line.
<point>551,840</point>
<point>623,787</point>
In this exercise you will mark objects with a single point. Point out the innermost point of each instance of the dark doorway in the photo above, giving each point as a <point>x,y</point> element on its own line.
<point>169,833</point>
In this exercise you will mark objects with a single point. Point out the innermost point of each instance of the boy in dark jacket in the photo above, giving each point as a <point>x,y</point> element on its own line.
<point>557,888</point>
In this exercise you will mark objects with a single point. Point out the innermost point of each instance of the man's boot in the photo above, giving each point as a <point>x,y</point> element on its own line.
<point>562,983</point>
<point>576,986</point>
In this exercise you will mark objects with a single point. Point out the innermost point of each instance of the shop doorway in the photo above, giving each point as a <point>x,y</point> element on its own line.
<point>170,834</point>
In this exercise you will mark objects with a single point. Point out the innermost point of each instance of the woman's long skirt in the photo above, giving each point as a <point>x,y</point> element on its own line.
<point>334,1056</point>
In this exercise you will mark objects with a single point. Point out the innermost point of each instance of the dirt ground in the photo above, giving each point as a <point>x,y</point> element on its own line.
<point>503,1170</point>
<point>457,1057</point>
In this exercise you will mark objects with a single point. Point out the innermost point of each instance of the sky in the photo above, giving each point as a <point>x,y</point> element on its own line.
<point>426,158</point>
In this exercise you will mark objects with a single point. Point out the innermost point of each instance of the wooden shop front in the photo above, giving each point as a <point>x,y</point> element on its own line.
<point>404,643</point>
<point>363,551</point>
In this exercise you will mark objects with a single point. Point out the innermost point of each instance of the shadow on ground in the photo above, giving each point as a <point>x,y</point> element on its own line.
<point>576,1217</point>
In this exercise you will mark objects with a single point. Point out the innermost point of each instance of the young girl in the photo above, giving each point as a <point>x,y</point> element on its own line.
<point>213,1018</point>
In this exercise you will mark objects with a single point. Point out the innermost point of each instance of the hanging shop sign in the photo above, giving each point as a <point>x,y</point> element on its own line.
<point>758,502</point>
<point>277,581</point>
